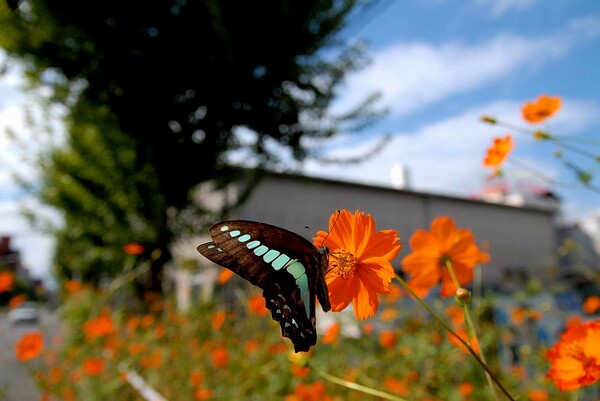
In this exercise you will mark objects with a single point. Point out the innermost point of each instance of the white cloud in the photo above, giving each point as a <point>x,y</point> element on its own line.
<point>446,156</point>
<point>412,75</point>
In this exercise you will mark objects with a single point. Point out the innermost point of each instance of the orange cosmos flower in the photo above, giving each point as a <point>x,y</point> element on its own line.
<point>591,304</point>
<point>152,361</point>
<point>29,346</point>
<point>17,300</point>
<point>309,392</point>
<point>542,108</point>
<point>462,333</point>
<point>498,152</point>
<point>432,249</point>
<point>251,346</point>
<point>257,305</point>
<point>98,327</point>
<point>359,262</point>
<point>203,394</point>
<point>73,286</point>
<point>465,389</point>
<point>218,319</point>
<point>575,358</point>
<point>331,334</point>
<point>538,394</point>
<point>93,366</point>
<point>456,315</point>
<point>387,339</point>
<point>220,357</point>
<point>7,280</point>
<point>196,378</point>
<point>224,275</point>
<point>133,248</point>
<point>396,386</point>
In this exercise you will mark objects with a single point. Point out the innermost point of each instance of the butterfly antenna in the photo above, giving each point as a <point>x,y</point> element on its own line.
<point>332,227</point>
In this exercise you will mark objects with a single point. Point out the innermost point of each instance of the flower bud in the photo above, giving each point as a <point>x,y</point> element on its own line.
<point>463,296</point>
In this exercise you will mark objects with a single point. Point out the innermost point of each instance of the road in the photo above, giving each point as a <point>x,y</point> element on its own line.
<point>16,383</point>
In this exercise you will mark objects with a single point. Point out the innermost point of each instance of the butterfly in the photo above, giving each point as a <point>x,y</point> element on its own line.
<point>286,266</point>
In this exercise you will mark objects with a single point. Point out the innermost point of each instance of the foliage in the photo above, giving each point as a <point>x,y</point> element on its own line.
<point>102,188</point>
<point>164,88</point>
<point>230,351</point>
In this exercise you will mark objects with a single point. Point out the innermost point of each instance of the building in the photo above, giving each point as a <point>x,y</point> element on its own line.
<point>521,238</point>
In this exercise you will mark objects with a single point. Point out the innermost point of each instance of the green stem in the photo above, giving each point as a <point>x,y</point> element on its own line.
<point>357,387</point>
<point>459,338</point>
<point>471,332</point>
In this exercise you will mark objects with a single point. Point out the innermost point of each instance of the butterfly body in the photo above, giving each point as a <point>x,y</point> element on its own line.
<point>287,267</point>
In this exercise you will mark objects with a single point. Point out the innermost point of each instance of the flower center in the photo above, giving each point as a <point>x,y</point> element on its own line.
<point>343,263</point>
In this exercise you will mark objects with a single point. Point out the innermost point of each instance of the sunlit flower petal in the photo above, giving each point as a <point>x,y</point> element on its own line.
<point>498,151</point>
<point>541,109</point>
<point>575,358</point>
<point>29,346</point>
<point>359,261</point>
<point>431,250</point>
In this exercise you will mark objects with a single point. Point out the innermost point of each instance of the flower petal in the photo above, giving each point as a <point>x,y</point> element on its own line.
<point>365,303</point>
<point>341,292</point>
<point>383,243</point>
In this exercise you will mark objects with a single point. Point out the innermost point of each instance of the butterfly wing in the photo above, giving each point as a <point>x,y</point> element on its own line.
<point>285,265</point>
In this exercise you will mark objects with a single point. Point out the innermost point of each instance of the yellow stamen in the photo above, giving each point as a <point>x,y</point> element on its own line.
<point>343,263</point>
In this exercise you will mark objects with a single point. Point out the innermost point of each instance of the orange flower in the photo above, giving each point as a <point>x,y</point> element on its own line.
<point>498,152</point>
<point>136,348</point>
<point>331,334</point>
<point>196,378</point>
<point>309,392</point>
<point>251,346</point>
<point>224,275</point>
<point>73,286</point>
<point>147,321</point>
<point>218,319</point>
<point>98,327</point>
<point>538,394</point>
<point>359,264</point>
<point>394,294</point>
<point>17,300</point>
<point>389,314</point>
<point>462,333</point>
<point>257,305</point>
<point>465,389</point>
<point>7,280</point>
<point>591,304</point>
<point>153,360</point>
<point>542,108</point>
<point>431,250</point>
<point>220,357</point>
<point>93,366</point>
<point>387,339</point>
<point>133,248</point>
<point>29,346</point>
<point>575,358</point>
<point>456,315</point>
<point>399,387</point>
<point>519,314</point>
<point>299,371</point>
<point>203,394</point>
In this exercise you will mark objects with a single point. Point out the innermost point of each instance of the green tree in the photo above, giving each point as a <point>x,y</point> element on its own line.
<point>106,197</point>
<point>176,78</point>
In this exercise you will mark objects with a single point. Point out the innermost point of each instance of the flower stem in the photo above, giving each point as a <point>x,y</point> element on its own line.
<point>459,338</point>
<point>471,332</point>
<point>356,386</point>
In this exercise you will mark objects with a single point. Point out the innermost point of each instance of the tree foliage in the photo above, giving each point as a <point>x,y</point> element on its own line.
<point>157,90</point>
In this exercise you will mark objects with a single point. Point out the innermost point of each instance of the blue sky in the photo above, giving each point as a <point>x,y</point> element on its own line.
<point>440,65</point>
